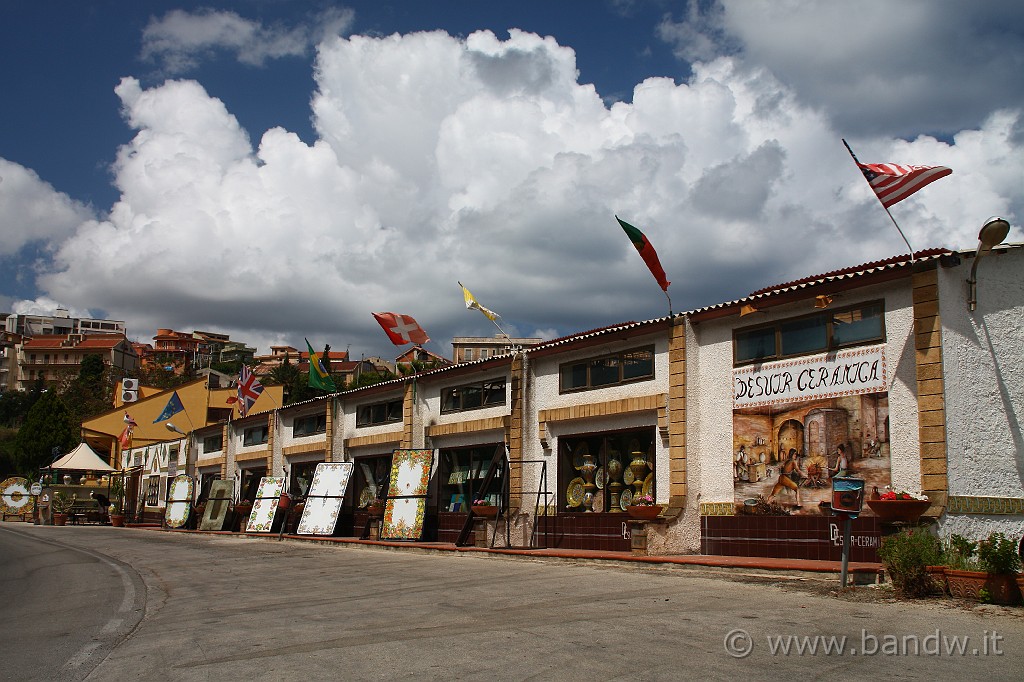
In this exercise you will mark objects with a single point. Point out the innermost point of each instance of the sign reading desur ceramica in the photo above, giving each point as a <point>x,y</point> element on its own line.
<point>828,375</point>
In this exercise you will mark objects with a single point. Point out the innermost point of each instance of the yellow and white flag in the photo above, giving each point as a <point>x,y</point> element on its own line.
<point>472,303</point>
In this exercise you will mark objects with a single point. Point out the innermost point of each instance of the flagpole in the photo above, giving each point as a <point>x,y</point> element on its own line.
<point>887,212</point>
<point>669,302</point>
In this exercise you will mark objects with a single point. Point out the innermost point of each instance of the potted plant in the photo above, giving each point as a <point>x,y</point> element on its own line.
<point>375,508</point>
<point>907,556</point>
<point>899,506</point>
<point>61,504</point>
<point>643,507</point>
<point>484,508</point>
<point>983,571</point>
<point>117,502</point>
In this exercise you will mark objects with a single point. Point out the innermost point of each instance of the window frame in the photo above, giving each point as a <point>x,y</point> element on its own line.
<point>319,422</point>
<point>831,344</point>
<point>249,442</point>
<point>219,438</point>
<point>388,417</point>
<point>620,358</point>
<point>485,388</point>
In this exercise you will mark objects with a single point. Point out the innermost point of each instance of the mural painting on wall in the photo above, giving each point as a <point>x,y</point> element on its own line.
<point>799,423</point>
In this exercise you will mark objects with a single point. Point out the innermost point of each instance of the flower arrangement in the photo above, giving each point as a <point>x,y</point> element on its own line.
<point>891,494</point>
<point>481,503</point>
<point>643,501</point>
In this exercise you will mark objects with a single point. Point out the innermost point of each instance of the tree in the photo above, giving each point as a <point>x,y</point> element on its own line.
<point>89,393</point>
<point>49,425</point>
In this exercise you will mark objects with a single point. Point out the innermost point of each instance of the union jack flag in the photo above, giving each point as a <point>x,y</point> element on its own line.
<point>249,389</point>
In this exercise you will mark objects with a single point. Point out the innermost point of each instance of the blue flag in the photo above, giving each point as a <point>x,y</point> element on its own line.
<point>174,406</point>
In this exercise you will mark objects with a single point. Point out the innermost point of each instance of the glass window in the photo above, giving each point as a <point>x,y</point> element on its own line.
<point>602,472</point>
<point>473,396</point>
<point>608,370</point>
<point>858,325</point>
<point>213,443</point>
<point>377,413</point>
<point>256,435</point>
<point>755,344</point>
<point>309,425</point>
<point>804,335</point>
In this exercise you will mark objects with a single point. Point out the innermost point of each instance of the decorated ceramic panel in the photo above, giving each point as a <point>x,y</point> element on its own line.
<point>218,504</point>
<point>15,497</point>
<point>407,494</point>
<point>323,502</point>
<point>261,518</point>
<point>179,501</point>
<point>410,473</point>
<point>403,518</point>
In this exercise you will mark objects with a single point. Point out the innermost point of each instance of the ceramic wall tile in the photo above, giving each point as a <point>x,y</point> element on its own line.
<point>323,503</point>
<point>268,496</point>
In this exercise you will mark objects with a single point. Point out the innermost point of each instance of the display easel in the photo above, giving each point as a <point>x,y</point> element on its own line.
<point>501,462</point>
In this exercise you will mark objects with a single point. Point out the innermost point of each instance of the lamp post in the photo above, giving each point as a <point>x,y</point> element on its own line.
<point>188,451</point>
<point>993,232</point>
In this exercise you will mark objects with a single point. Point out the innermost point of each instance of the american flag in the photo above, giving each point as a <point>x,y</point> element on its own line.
<point>892,183</point>
<point>249,389</point>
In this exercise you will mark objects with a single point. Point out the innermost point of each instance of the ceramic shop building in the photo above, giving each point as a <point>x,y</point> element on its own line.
<point>881,371</point>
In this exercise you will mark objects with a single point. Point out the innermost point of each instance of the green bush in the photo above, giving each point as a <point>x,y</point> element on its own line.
<point>960,554</point>
<point>998,554</point>
<point>906,556</point>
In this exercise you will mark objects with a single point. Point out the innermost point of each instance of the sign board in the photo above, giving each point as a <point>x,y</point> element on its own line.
<point>847,495</point>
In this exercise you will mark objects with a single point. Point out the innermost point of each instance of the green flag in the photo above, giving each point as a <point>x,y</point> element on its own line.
<point>318,376</point>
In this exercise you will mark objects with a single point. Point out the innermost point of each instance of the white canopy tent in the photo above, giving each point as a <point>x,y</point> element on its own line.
<point>82,458</point>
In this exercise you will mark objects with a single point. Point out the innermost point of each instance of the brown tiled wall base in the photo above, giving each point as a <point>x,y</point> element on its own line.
<point>787,537</point>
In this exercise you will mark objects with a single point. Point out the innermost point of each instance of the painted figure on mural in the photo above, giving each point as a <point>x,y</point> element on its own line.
<point>791,476</point>
<point>740,466</point>
<point>842,463</point>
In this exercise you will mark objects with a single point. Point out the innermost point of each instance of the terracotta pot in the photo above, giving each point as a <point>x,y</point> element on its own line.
<point>117,520</point>
<point>375,511</point>
<point>1001,587</point>
<point>60,519</point>
<point>284,502</point>
<point>487,511</point>
<point>645,512</point>
<point>906,511</point>
<point>938,574</point>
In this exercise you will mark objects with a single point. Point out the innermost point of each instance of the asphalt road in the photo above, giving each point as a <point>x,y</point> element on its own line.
<point>227,608</point>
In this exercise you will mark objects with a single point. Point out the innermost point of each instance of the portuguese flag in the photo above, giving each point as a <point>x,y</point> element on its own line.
<point>647,252</point>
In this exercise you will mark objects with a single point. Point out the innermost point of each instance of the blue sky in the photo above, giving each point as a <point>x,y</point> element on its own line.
<point>277,169</point>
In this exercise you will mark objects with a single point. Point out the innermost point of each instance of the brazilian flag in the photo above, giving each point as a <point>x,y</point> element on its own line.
<point>318,376</point>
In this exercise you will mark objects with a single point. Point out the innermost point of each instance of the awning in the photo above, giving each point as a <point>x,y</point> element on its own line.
<point>82,458</point>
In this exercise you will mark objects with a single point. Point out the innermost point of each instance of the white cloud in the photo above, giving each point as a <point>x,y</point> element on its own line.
<point>180,40</point>
<point>33,210</point>
<point>926,65</point>
<point>485,161</point>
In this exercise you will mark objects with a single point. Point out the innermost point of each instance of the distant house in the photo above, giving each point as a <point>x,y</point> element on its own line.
<point>47,357</point>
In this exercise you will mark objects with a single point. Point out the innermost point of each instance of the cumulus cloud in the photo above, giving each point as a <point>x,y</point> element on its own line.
<point>33,210</point>
<point>484,160</point>
<point>181,40</point>
<point>933,65</point>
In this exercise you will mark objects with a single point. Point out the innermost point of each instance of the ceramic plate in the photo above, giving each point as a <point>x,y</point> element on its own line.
<point>599,501</point>
<point>625,499</point>
<point>627,476</point>
<point>599,478</point>
<point>648,483</point>
<point>574,493</point>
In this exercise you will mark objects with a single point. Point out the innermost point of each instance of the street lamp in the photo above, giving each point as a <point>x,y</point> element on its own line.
<point>993,232</point>
<point>172,427</point>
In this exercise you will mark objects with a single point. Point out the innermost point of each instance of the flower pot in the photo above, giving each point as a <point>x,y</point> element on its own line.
<point>117,520</point>
<point>894,511</point>
<point>60,519</point>
<point>1000,588</point>
<point>487,511</point>
<point>375,511</point>
<point>646,512</point>
<point>938,574</point>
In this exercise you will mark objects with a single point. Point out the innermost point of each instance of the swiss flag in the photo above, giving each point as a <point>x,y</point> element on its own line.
<point>401,329</point>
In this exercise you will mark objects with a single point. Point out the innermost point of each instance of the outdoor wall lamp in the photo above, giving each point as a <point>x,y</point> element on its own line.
<point>993,232</point>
